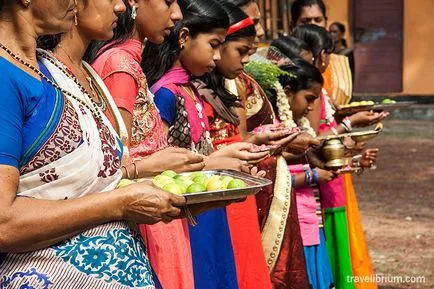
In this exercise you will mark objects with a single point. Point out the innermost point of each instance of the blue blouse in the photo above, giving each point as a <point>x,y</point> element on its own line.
<point>25,112</point>
<point>165,100</point>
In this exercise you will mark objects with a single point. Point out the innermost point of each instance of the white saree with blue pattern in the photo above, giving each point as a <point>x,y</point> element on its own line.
<point>73,156</point>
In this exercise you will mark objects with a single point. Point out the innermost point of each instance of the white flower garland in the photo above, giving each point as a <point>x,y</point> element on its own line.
<point>284,109</point>
<point>285,112</point>
<point>329,110</point>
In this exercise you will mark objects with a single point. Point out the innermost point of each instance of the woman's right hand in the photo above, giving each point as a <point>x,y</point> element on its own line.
<point>367,118</point>
<point>144,203</point>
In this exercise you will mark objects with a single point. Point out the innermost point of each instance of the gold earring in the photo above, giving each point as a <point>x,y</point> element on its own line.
<point>323,64</point>
<point>27,3</point>
<point>75,13</point>
<point>181,46</point>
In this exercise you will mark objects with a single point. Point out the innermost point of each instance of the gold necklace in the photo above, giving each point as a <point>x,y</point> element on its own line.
<point>95,95</point>
<point>190,93</point>
<point>198,106</point>
<point>95,111</point>
<point>85,74</point>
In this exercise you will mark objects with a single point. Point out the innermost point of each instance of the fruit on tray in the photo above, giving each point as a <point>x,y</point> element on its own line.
<point>196,182</point>
<point>358,103</point>
<point>124,183</point>
<point>388,101</point>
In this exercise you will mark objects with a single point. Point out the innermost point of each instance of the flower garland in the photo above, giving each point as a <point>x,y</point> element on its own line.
<point>329,109</point>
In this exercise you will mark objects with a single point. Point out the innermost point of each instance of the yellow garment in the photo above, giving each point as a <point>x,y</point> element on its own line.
<point>360,259</point>
<point>338,80</point>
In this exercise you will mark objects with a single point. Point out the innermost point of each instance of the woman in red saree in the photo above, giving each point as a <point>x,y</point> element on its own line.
<point>277,210</point>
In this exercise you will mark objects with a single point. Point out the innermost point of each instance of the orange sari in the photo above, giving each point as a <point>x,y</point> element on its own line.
<point>338,79</point>
<point>360,259</point>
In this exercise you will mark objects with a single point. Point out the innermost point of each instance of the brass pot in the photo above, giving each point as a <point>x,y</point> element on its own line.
<point>333,151</point>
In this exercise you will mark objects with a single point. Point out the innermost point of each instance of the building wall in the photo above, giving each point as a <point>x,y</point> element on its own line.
<point>339,10</point>
<point>418,47</point>
<point>418,58</point>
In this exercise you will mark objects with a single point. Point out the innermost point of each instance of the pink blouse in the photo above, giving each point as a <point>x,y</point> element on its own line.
<point>120,69</point>
<point>332,193</point>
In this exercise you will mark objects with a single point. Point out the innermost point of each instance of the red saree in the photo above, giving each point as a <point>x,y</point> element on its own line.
<point>277,209</point>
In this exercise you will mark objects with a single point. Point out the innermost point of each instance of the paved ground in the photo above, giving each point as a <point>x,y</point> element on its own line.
<point>397,203</point>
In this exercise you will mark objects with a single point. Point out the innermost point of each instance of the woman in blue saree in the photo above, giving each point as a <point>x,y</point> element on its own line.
<point>63,222</point>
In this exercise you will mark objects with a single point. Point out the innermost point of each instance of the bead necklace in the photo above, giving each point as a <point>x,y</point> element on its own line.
<point>95,112</point>
<point>85,74</point>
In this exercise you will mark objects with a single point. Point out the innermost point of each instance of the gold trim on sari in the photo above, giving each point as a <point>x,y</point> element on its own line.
<point>274,228</point>
<point>121,128</point>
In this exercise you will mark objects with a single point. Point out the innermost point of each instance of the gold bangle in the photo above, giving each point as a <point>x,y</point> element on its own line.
<point>128,173</point>
<point>191,219</point>
<point>136,172</point>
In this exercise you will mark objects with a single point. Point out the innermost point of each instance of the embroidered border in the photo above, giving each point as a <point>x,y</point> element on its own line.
<point>274,229</point>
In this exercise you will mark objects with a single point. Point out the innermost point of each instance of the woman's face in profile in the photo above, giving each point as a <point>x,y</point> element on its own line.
<point>52,16</point>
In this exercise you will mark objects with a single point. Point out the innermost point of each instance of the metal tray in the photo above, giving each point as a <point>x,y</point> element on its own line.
<point>357,136</point>
<point>392,106</point>
<point>346,111</point>
<point>254,185</point>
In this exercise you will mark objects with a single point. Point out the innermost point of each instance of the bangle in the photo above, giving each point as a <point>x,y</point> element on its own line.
<point>356,161</point>
<point>136,172</point>
<point>346,123</point>
<point>191,219</point>
<point>315,176</point>
<point>292,180</point>
<point>308,178</point>
<point>128,173</point>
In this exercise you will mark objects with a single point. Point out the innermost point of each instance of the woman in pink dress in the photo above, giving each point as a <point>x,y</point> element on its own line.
<point>118,64</point>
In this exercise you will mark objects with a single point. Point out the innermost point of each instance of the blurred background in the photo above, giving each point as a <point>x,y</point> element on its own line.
<point>392,41</point>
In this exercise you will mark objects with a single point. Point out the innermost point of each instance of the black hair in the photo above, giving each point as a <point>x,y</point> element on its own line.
<point>317,38</point>
<point>48,42</point>
<point>200,16</point>
<point>341,27</point>
<point>298,5</point>
<point>290,46</point>
<point>3,3</point>
<point>241,3</point>
<point>215,80</point>
<point>301,75</point>
<point>123,31</point>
